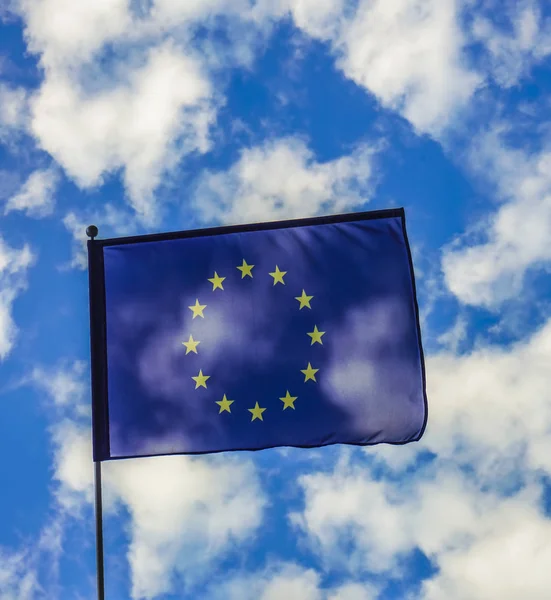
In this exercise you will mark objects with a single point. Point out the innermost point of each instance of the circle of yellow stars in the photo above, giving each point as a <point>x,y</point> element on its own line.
<point>198,310</point>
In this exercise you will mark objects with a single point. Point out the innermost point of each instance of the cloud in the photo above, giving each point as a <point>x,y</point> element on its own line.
<point>476,508</point>
<point>14,264</point>
<point>492,407</point>
<point>513,52</point>
<point>318,18</point>
<point>141,124</point>
<point>67,33</point>
<point>283,179</point>
<point>184,512</point>
<point>31,571</point>
<point>73,468</point>
<point>152,103</point>
<point>36,195</point>
<point>96,112</point>
<point>498,540</point>
<point>13,110</point>
<point>409,55</point>
<point>489,266</point>
<point>17,580</point>
<point>290,581</point>
<point>455,335</point>
<point>415,56</point>
<point>127,87</point>
<point>64,384</point>
<point>354,591</point>
<point>508,560</point>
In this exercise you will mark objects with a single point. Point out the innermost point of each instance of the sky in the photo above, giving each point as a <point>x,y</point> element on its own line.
<point>145,116</point>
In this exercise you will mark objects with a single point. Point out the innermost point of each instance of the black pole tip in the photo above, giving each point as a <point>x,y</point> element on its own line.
<point>92,231</point>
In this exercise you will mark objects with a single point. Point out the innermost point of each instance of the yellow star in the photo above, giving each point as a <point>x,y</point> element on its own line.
<point>191,345</point>
<point>198,309</point>
<point>201,380</point>
<point>304,300</point>
<point>309,373</point>
<point>216,281</point>
<point>246,269</point>
<point>256,412</point>
<point>316,336</point>
<point>288,400</point>
<point>224,404</point>
<point>278,276</point>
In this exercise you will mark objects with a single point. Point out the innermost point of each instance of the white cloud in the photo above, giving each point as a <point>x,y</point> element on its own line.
<point>516,237</point>
<point>485,545</point>
<point>184,512</point>
<point>344,534</point>
<point>36,195</point>
<point>126,88</point>
<point>141,125</point>
<point>289,581</point>
<point>32,570</point>
<point>354,591</point>
<point>512,53</point>
<point>476,511</point>
<point>318,18</point>
<point>493,406</point>
<point>13,109</point>
<point>71,32</point>
<point>67,34</point>
<point>455,335</point>
<point>14,264</point>
<point>73,465</point>
<point>17,580</point>
<point>509,560</point>
<point>410,55</point>
<point>65,387</point>
<point>154,102</point>
<point>282,179</point>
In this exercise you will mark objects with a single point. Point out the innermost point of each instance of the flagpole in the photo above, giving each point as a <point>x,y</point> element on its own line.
<point>92,232</point>
<point>99,530</point>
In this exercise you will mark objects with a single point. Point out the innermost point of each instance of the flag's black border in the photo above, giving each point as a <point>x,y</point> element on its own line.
<point>98,352</point>
<point>264,226</point>
<point>98,330</point>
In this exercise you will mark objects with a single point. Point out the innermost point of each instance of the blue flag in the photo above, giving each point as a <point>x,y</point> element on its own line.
<point>299,333</point>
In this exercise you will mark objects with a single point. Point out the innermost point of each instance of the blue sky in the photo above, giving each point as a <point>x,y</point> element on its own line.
<point>145,116</point>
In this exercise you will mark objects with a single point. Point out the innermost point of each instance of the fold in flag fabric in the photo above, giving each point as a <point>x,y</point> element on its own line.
<point>298,333</point>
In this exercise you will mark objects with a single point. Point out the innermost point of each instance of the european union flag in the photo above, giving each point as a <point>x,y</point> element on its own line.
<point>298,333</point>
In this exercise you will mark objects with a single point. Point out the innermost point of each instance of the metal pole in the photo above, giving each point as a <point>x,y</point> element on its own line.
<point>99,531</point>
<point>92,232</point>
